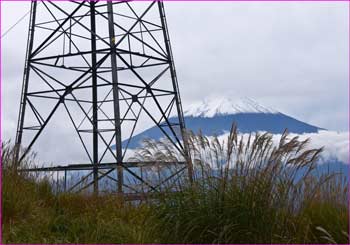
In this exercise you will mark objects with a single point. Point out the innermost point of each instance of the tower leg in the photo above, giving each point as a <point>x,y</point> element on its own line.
<point>117,122</point>
<point>23,102</point>
<point>94,95</point>
<point>65,180</point>
<point>177,91</point>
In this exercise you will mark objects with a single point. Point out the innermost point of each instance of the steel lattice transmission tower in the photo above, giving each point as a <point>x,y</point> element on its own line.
<point>105,65</point>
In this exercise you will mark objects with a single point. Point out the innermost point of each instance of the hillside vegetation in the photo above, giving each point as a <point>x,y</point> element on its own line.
<point>245,191</point>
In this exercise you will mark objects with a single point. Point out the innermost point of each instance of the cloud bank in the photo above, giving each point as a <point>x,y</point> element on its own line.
<point>335,144</point>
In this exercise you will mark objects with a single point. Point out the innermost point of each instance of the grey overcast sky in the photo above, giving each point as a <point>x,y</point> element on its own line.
<point>291,56</point>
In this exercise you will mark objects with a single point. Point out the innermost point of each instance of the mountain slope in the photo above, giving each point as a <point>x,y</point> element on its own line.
<point>215,117</point>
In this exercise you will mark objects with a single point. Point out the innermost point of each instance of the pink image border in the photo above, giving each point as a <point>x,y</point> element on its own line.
<point>1,72</point>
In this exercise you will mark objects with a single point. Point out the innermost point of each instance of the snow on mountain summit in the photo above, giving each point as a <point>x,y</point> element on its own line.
<point>225,106</point>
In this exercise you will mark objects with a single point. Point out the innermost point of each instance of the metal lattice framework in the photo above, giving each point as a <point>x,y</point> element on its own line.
<point>105,65</point>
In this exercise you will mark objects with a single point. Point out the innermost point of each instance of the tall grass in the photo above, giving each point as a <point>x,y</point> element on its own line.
<point>246,190</point>
<point>32,213</point>
<point>253,190</point>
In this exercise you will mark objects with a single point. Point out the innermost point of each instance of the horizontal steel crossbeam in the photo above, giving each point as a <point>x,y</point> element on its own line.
<point>81,167</point>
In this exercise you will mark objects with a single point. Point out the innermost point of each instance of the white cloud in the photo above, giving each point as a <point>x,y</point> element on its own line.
<point>335,144</point>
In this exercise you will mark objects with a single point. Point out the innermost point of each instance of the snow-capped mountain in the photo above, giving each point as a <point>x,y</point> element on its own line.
<point>225,106</point>
<point>215,117</point>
